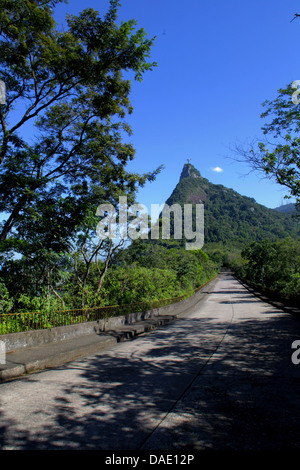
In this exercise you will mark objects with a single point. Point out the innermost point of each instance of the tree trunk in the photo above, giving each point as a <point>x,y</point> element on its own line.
<point>12,218</point>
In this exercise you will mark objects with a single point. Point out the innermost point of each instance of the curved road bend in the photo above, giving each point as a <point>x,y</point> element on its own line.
<point>219,378</point>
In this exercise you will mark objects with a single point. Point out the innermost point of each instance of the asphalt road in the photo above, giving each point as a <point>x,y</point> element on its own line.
<point>220,378</point>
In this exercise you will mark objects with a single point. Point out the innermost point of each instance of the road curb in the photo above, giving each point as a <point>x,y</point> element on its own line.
<point>19,365</point>
<point>36,358</point>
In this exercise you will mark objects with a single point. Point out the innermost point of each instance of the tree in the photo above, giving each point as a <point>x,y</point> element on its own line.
<point>260,257</point>
<point>274,265</point>
<point>70,84</point>
<point>278,157</point>
<point>88,250</point>
<point>63,153</point>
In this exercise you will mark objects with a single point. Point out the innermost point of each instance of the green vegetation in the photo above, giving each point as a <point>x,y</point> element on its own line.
<point>274,262</point>
<point>71,86</point>
<point>140,277</point>
<point>165,268</point>
<point>261,245</point>
<point>142,272</point>
<point>274,266</point>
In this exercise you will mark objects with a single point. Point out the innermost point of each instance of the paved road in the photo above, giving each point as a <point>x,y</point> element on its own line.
<point>220,378</point>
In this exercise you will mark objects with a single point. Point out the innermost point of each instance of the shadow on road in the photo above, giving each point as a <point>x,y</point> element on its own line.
<point>237,385</point>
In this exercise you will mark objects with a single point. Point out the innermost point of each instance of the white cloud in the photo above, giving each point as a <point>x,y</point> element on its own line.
<point>217,169</point>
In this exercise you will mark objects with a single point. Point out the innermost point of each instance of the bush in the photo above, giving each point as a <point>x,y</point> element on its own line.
<point>6,303</point>
<point>137,284</point>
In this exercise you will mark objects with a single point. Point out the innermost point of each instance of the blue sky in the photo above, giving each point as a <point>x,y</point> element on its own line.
<point>218,61</point>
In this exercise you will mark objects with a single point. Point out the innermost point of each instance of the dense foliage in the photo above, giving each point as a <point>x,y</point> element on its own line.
<point>170,269</point>
<point>277,156</point>
<point>62,148</point>
<point>142,272</point>
<point>274,266</point>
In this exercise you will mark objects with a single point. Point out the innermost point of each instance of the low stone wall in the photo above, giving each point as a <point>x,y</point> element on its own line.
<point>28,339</point>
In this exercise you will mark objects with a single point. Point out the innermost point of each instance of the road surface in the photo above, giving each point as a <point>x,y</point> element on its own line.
<point>220,378</point>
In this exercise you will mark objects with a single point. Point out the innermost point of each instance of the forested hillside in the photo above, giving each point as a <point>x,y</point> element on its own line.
<point>230,218</point>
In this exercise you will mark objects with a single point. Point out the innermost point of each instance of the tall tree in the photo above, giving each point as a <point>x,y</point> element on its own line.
<point>71,85</point>
<point>278,155</point>
<point>62,128</point>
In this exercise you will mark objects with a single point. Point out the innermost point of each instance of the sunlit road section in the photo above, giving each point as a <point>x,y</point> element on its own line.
<point>221,377</point>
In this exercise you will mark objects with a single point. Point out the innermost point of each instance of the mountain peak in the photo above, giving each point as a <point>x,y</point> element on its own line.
<point>231,218</point>
<point>189,171</point>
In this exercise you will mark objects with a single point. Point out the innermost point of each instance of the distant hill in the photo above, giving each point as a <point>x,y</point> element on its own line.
<point>287,208</point>
<point>230,218</point>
